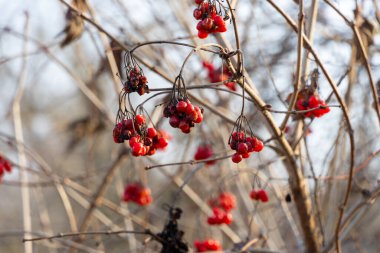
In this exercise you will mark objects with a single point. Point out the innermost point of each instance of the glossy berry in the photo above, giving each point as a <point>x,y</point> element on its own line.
<point>183,115</point>
<point>236,158</point>
<point>244,145</point>
<point>209,21</point>
<point>139,119</point>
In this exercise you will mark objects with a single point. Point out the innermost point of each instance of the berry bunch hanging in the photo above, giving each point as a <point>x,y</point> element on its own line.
<point>260,195</point>
<point>204,152</point>
<point>181,112</point>
<point>221,208</point>
<point>142,140</point>
<point>138,194</point>
<point>219,75</point>
<point>136,80</point>
<point>219,217</point>
<point>207,245</point>
<point>211,18</point>
<point>243,142</point>
<point>308,98</point>
<point>312,102</point>
<point>225,201</point>
<point>5,166</point>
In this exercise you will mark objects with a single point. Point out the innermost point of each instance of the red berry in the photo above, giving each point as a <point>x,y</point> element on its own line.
<point>189,109</point>
<point>198,1</point>
<point>174,121</point>
<point>181,106</point>
<point>197,14</point>
<point>202,34</point>
<point>242,148</point>
<point>227,219</point>
<point>246,155</point>
<point>207,24</point>
<point>259,145</point>
<point>184,126</point>
<point>227,201</point>
<point>253,194</point>
<point>236,158</point>
<point>262,195</point>
<point>162,143</point>
<point>139,119</point>
<point>137,148</point>
<point>151,132</point>
<point>133,140</point>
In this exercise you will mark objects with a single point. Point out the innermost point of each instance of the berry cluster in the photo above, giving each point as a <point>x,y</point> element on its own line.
<point>244,145</point>
<point>210,20</point>
<point>226,201</point>
<point>219,217</point>
<point>138,194</point>
<point>219,75</point>
<point>312,102</point>
<point>221,208</point>
<point>142,140</point>
<point>260,194</point>
<point>183,114</point>
<point>204,152</point>
<point>5,165</point>
<point>207,245</point>
<point>136,81</point>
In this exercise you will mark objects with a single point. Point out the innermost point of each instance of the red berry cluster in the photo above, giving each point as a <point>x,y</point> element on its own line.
<point>226,201</point>
<point>5,166</point>
<point>210,20</point>
<point>204,152</point>
<point>219,217</point>
<point>260,194</point>
<point>310,103</point>
<point>221,208</point>
<point>208,245</point>
<point>217,75</point>
<point>142,140</point>
<point>183,114</point>
<point>138,194</point>
<point>244,145</point>
<point>136,82</point>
